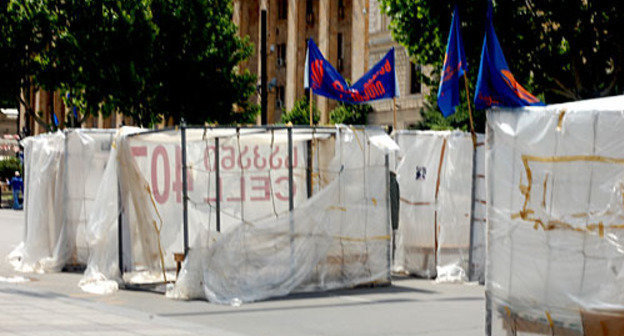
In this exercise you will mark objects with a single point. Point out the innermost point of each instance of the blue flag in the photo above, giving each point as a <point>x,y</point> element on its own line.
<point>74,108</point>
<point>380,82</point>
<point>55,120</point>
<point>454,67</point>
<point>496,85</point>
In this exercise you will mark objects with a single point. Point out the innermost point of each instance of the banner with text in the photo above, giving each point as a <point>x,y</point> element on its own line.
<point>380,82</point>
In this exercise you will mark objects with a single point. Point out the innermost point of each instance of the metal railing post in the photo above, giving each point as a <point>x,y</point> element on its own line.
<point>184,188</point>
<point>120,231</point>
<point>472,214</point>
<point>389,217</point>
<point>291,203</point>
<point>218,184</point>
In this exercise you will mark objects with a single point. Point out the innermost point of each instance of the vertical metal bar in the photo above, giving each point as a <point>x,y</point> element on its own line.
<point>291,204</point>
<point>184,190</point>
<point>389,214</point>
<point>218,184</point>
<point>66,191</point>
<point>120,231</point>
<point>472,211</point>
<point>488,314</point>
<point>309,170</point>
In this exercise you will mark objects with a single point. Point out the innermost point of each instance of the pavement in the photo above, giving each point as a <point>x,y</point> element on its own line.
<point>53,304</point>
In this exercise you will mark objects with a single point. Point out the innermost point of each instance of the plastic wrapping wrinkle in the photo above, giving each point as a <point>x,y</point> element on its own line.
<point>337,238</point>
<point>555,178</point>
<point>62,171</point>
<point>42,197</point>
<point>102,273</point>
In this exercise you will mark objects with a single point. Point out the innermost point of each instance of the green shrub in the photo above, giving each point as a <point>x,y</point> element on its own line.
<point>8,167</point>
<point>350,114</point>
<point>300,113</point>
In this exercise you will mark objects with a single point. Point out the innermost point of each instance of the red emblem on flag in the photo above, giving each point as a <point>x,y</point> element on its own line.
<point>317,74</point>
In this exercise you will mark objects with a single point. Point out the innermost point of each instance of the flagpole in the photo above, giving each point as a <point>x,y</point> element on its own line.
<point>472,130</point>
<point>394,124</point>
<point>311,113</point>
<point>312,143</point>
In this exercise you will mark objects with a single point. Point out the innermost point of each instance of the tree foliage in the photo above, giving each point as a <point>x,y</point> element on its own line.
<point>8,167</point>
<point>144,58</point>
<point>197,53</point>
<point>561,50</point>
<point>350,114</point>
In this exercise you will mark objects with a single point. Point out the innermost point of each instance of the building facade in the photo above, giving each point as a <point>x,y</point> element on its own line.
<point>339,28</point>
<point>47,104</point>
<point>410,104</point>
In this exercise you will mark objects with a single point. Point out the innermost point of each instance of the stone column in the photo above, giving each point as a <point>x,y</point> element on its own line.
<point>236,14</point>
<point>22,113</point>
<point>100,121</point>
<point>291,54</point>
<point>359,38</point>
<point>324,38</point>
<point>37,108</point>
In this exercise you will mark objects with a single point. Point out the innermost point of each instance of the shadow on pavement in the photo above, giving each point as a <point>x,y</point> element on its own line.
<point>263,309</point>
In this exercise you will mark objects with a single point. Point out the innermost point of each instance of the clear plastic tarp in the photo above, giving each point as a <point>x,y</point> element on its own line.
<point>435,175</point>
<point>245,243</point>
<point>62,173</point>
<point>555,179</point>
<point>477,244</point>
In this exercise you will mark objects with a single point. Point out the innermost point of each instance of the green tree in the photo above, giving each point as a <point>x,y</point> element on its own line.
<point>560,55</point>
<point>8,167</point>
<point>103,57</point>
<point>300,113</point>
<point>28,29</point>
<point>143,58</point>
<point>196,57</point>
<point>350,114</point>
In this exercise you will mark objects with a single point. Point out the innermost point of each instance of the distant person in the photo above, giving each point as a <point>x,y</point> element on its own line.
<point>17,184</point>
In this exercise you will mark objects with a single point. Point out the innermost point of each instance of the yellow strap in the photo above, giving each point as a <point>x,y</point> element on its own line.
<point>550,321</point>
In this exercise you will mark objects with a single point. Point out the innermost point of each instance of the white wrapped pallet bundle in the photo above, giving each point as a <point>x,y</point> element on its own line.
<point>555,208</point>
<point>86,155</point>
<point>259,234</point>
<point>336,239</point>
<point>435,175</point>
<point>43,195</point>
<point>62,172</point>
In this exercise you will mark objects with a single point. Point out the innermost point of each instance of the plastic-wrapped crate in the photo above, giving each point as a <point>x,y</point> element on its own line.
<point>555,181</point>
<point>435,176</point>
<point>297,209</point>
<point>62,173</point>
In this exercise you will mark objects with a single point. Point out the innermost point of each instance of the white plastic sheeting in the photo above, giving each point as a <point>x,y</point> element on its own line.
<point>43,195</point>
<point>435,175</point>
<point>478,241</point>
<point>62,172</point>
<point>337,238</point>
<point>555,179</point>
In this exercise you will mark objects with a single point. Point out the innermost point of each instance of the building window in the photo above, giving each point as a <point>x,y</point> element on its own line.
<point>281,55</point>
<point>341,9</point>
<point>340,49</point>
<point>309,12</point>
<point>282,9</point>
<point>415,79</point>
<point>280,96</point>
